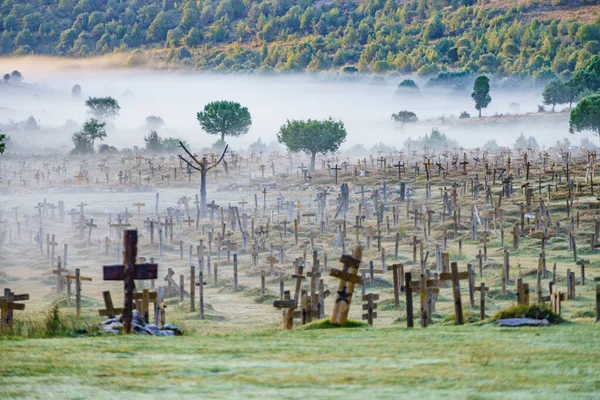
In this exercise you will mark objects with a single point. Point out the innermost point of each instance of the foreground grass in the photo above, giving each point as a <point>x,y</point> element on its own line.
<point>457,362</point>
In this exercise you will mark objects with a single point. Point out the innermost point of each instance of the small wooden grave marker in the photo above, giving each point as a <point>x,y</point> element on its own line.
<point>369,307</point>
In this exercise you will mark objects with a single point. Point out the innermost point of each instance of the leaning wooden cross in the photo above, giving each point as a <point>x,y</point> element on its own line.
<point>128,272</point>
<point>348,279</point>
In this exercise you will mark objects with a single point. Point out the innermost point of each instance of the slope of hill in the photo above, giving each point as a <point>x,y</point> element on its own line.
<point>502,37</point>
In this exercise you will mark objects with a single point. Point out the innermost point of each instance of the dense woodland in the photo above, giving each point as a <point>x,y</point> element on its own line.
<point>424,36</point>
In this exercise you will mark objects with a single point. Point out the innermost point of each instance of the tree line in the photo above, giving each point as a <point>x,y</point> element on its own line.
<point>414,36</point>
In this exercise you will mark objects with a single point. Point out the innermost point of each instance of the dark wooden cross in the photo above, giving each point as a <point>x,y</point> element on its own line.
<point>336,169</point>
<point>128,272</point>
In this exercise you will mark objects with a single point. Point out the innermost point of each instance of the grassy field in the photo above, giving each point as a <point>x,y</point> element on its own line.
<point>458,362</point>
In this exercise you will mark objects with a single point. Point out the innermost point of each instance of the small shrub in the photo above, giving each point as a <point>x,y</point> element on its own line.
<point>534,311</point>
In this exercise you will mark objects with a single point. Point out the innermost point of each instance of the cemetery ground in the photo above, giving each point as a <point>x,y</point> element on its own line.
<point>524,224</point>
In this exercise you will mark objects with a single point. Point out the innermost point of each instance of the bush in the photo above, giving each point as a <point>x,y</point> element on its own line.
<point>405,117</point>
<point>534,311</point>
<point>464,115</point>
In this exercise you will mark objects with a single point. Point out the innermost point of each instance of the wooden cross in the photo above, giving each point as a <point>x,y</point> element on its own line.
<point>110,311</point>
<point>455,277</point>
<point>336,169</point>
<point>90,225</point>
<point>348,279</point>
<point>139,205</point>
<point>424,285</point>
<point>464,164</point>
<point>287,305</point>
<point>128,272</point>
<point>482,289</point>
<point>78,278</point>
<point>272,260</point>
<point>8,305</point>
<point>428,167</point>
<point>370,307</point>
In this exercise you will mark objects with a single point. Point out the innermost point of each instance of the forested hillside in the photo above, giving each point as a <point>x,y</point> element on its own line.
<point>533,38</point>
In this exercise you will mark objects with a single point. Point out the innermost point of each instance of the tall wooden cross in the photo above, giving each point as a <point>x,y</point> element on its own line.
<point>128,272</point>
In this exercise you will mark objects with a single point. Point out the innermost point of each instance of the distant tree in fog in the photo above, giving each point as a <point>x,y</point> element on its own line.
<point>16,75</point>
<point>225,118</point>
<point>6,78</point>
<point>258,146</point>
<point>84,140</point>
<point>408,84</point>
<point>153,142</point>
<point>481,93</point>
<point>312,137</point>
<point>405,117</point>
<point>154,122</point>
<point>555,92</point>
<point>76,91</point>
<point>586,116</point>
<point>102,108</point>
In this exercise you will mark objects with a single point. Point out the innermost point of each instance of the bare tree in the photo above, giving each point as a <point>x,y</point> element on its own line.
<point>203,167</point>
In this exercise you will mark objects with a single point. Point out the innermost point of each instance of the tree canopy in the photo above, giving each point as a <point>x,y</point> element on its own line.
<point>405,117</point>
<point>225,118</point>
<point>555,92</point>
<point>586,115</point>
<point>102,108</point>
<point>84,140</point>
<point>312,136</point>
<point>481,93</point>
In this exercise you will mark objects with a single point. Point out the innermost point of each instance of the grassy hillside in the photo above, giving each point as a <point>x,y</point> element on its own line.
<point>488,36</point>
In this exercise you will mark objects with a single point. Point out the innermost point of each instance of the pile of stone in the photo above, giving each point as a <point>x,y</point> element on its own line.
<point>139,326</point>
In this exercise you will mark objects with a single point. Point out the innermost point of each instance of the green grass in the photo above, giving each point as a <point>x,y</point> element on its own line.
<point>457,362</point>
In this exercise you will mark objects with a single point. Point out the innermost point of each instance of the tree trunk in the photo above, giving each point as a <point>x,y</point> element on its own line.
<point>553,107</point>
<point>222,136</point>
<point>312,161</point>
<point>203,171</point>
<point>480,113</point>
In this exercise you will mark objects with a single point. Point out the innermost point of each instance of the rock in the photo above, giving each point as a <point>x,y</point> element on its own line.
<point>165,333</point>
<point>152,328</point>
<point>516,322</point>
<point>111,320</point>
<point>139,326</point>
<point>140,329</point>
<point>136,318</point>
<point>174,329</point>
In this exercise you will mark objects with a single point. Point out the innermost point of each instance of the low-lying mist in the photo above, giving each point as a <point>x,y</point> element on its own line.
<point>363,104</point>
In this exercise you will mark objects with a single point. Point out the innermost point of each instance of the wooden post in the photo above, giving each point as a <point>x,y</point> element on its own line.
<point>181,288</point>
<point>201,293</point>
<point>130,239</point>
<point>598,302</point>
<point>78,291</point>
<point>192,288</point>
<point>409,304</point>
